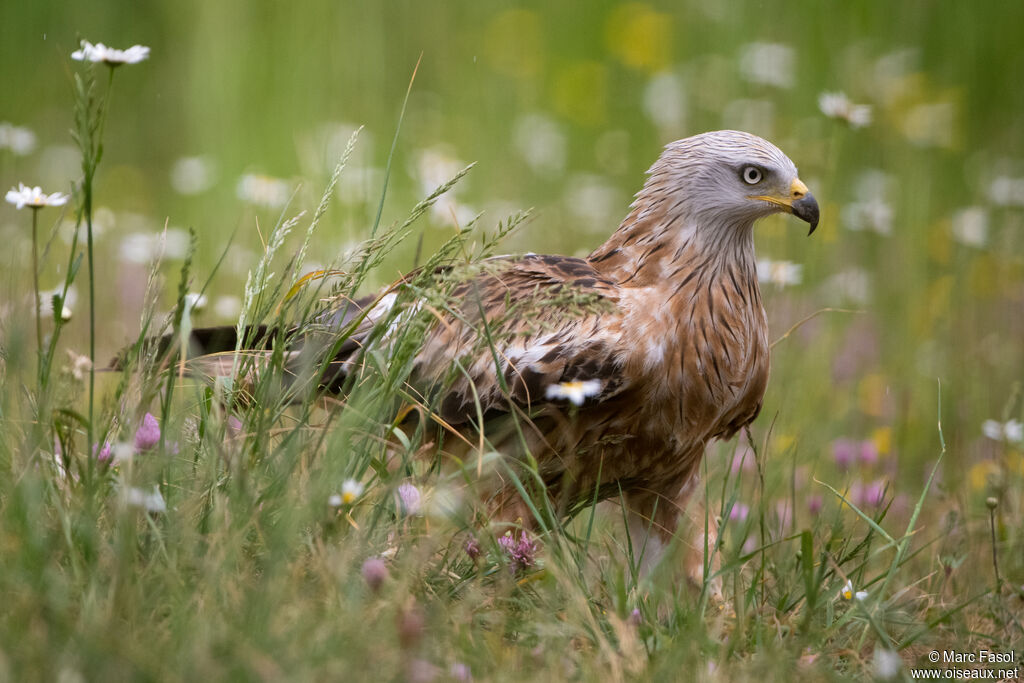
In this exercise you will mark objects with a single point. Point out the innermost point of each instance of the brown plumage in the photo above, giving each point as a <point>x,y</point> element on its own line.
<point>662,326</point>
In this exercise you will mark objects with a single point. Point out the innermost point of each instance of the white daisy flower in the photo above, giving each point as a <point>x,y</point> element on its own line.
<point>837,105</point>
<point>853,285</point>
<point>887,663</point>
<point>779,273</point>
<point>575,392</point>
<point>151,501</point>
<point>769,64</point>
<point>227,306</point>
<point>970,226</point>
<point>434,167</point>
<point>1011,431</point>
<point>18,139</point>
<point>108,55</point>
<point>870,210</point>
<point>334,500</point>
<point>192,175</point>
<point>665,101</point>
<point>1007,191</point>
<point>930,125</point>
<point>123,452</point>
<point>67,306</point>
<point>590,197</point>
<point>849,594</point>
<point>874,215</point>
<point>195,302</point>
<point>350,490</point>
<point>446,209</point>
<point>78,364</point>
<point>142,248</point>
<point>34,197</point>
<point>1014,431</point>
<point>263,190</point>
<point>442,503</point>
<point>137,247</point>
<point>541,144</point>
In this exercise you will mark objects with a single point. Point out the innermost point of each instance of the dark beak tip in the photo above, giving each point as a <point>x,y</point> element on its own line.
<point>806,209</point>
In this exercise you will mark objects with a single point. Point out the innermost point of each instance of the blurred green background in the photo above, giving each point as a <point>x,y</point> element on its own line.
<point>563,106</point>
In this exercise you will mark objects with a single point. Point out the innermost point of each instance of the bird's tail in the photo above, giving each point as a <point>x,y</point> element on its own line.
<point>322,352</point>
<point>203,341</point>
<point>215,352</point>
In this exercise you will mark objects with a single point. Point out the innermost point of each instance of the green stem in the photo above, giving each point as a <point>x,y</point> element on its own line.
<point>87,190</point>
<point>995,556</point>
<point>106,107</point>
<point>35,283</point>
<point>90,429</point>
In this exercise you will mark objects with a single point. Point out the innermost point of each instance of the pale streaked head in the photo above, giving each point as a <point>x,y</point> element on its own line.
<point>730,178</point>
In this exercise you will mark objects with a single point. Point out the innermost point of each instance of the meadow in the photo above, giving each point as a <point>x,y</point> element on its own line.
<point>872,515</point>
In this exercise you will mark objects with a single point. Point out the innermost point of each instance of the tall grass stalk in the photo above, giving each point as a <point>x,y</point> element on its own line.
<point>992,504</point>
<point>391,152</point>
<point>90,117</point>
<point>36,303</point>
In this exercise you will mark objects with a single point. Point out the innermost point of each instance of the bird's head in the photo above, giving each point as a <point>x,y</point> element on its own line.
<point>731,178</point>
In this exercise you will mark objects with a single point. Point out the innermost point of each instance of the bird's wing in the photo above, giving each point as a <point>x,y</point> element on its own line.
<point>518,327</point>
<point>508,330</point>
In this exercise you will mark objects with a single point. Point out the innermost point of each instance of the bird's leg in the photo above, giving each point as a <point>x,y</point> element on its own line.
<point>653,520</point>
<point>650,530</point>
<point>508,510</point>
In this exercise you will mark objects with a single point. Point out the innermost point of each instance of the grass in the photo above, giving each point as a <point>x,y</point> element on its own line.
<point>245,569</point>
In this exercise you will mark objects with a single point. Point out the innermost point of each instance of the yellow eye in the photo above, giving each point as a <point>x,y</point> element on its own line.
<point>751,175</point>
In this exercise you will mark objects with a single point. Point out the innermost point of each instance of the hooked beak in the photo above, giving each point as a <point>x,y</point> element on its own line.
<point>799,202</point>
